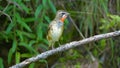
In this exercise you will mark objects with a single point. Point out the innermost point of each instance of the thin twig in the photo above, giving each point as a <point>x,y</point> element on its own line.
<point>65,47</point>
<point>80,33</point>
<point>6,15</point>
<point>15,3</point>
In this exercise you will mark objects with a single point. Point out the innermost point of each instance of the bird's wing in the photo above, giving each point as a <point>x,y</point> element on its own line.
<point>49,33</point>
<point>50,25</point>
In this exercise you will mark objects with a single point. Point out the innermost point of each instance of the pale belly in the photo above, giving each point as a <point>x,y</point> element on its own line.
<point>56,33</point>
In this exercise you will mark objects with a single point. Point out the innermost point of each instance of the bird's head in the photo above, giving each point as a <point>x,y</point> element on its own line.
<point>61,15</point>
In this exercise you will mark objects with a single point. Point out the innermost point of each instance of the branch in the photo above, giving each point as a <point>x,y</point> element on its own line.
<point>67,46</point>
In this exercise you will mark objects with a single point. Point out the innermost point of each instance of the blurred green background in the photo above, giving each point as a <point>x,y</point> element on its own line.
<point>23,29</point>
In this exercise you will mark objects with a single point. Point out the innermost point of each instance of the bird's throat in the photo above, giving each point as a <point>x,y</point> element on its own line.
<point>63,18</point>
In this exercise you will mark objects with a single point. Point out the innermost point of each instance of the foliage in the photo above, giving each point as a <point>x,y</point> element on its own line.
<point>112,22</point>
<point>24,26</point>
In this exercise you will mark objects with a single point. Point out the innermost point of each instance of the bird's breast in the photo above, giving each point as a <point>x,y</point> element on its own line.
<point>57,31</point>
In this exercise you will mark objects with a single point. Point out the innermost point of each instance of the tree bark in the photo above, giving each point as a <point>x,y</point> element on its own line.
<point>65,47</point>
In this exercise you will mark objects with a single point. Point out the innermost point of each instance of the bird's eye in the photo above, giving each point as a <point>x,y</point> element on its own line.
<point>63,13</point>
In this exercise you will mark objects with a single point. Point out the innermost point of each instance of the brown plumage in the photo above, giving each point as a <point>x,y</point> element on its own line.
<point>56,27</point>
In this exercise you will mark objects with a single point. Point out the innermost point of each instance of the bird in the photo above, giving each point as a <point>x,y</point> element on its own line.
<point>56,27</point>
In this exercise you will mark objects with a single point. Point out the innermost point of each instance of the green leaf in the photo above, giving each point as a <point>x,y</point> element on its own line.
<point>44,61</point>
<point>26,55</point>
<point>18,1</point>
<point>102,44</point>
<point>115,18</point>
<point>32,42</point>
<point>3,35</point>
<point>112,49</point>
<point>52,6</point>
<point>12,50</point>
<point>43,47</point>
<point>26,9</point>
<point>95,52</point>
<point>45,41</point>
<point>31,19</point>
<point>1,63</point>
<point>30,35</point>
<point>17,57</point>
<point>78,65</point>
<point>10,26</point>
<point>44,3</point>
<point>10,54</point>
<point>37,11</point>
<point>20,4</point>
<point>22,23</point>
<point>47,18</point>
<point>32,65</point>
<point>14,45</point>
<point>39,32</point>
<point>20,35</point>
<point>29,48</point>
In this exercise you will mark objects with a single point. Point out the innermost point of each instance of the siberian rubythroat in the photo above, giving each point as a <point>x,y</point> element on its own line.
<point>56,27</point>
